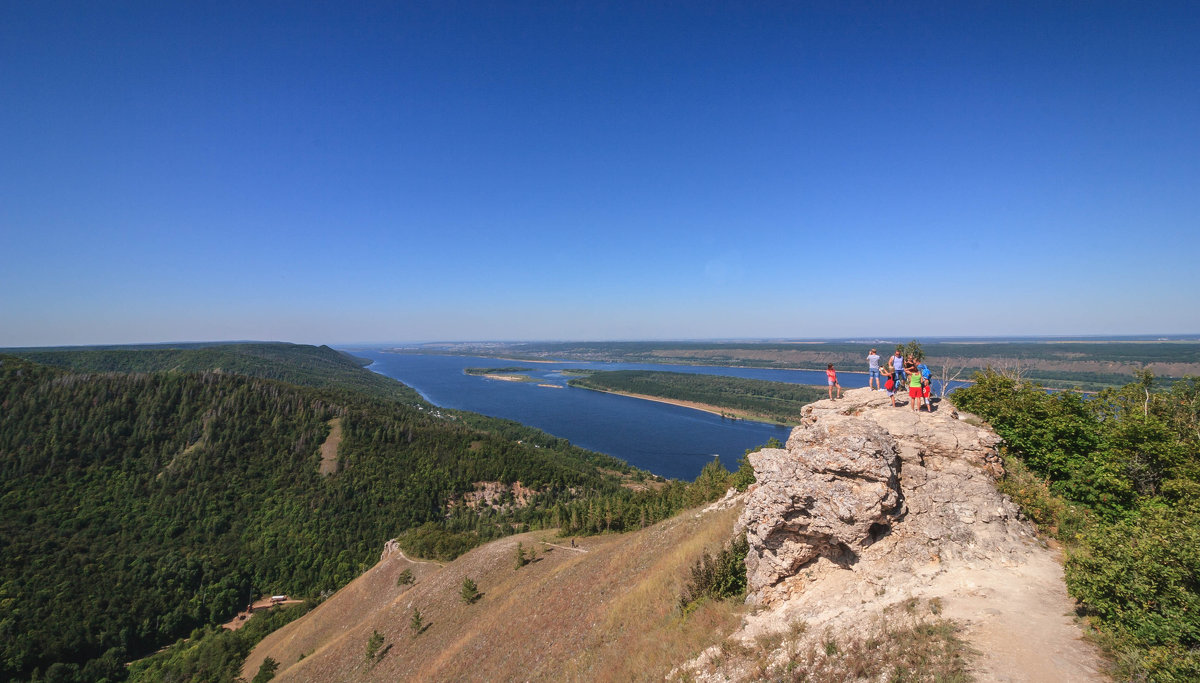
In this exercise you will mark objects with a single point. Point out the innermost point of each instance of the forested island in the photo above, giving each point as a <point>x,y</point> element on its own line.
<point>752,399</point>
<point>512,374</point>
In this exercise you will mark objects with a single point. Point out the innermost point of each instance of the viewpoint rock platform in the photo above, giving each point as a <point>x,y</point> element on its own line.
<point>870,506</point>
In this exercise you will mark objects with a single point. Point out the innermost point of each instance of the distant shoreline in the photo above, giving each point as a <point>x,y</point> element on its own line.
<point>705,407</point>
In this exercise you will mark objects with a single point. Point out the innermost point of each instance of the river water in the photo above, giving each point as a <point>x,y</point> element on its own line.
<point>667,440</point>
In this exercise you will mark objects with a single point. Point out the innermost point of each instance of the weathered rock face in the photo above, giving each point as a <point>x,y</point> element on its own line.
<point>864,484</point>
<point>833,491</point>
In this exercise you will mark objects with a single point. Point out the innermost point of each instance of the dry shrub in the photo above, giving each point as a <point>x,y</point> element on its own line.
<point>906,642</point>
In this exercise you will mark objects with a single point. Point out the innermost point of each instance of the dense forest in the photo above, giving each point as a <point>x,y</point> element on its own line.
<point>1116,478</point>
<point>310,366</point>
<point>137,506</point>
<point>753,398</point>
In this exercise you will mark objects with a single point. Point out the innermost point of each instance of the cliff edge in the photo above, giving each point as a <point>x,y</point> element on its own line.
<point>872,509</point>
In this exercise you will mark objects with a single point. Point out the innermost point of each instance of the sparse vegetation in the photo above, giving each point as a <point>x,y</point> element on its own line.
<point>520,558</point>
<point>469,592</point>
<point>405,578</point>
<point>416,622</point>
<point>373,644</point>
<point>906,642</point>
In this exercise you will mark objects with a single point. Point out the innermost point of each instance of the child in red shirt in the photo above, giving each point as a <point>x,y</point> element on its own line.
<point>832,375</point>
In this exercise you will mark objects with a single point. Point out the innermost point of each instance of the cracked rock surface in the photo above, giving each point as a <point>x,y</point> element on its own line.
<point>870,505</point>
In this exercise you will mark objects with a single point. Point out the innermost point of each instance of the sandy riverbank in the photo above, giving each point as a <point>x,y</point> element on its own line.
<point>715,410</point>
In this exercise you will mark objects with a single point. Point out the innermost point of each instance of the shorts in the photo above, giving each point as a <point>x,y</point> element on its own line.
<point>914,392</point>
<point>873,373</point>
<point>832,382</point>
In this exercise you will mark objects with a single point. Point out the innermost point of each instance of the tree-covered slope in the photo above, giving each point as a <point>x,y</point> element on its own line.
<point>135,507</point>
<point>312,366</point>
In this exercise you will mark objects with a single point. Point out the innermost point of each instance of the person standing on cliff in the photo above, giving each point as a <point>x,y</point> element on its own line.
<point>889,383</point>
<point>873,371</point>
<point>914,389</point>
<point>831,374</point>
<point>898,368</point>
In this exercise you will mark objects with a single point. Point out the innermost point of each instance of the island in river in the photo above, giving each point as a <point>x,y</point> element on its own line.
<point>735,397</point>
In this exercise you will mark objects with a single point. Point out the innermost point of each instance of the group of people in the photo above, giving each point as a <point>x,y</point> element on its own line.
<point>892,376</point>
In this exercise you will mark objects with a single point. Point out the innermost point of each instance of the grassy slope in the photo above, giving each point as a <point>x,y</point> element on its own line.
<point>607,614</point>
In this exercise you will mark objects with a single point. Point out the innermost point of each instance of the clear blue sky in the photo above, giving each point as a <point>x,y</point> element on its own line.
<point>353,172</point>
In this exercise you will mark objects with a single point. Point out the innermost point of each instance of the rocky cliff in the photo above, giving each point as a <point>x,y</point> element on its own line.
<point>870,507</point>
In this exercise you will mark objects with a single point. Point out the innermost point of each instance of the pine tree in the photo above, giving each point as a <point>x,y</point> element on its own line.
<point>417,623</point>
<point>469,591</point>
<point>405,578</point>
<point>373,644</point>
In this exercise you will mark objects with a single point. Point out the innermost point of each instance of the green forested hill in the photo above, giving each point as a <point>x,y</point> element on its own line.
<point>312,366</point>
<point>136,506</point>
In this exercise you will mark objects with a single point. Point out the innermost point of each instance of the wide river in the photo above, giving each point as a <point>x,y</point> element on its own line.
<point>667,440</point>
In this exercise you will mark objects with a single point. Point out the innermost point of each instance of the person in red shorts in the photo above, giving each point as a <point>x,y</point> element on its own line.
<point>914,390</point>
<point>831,374</point>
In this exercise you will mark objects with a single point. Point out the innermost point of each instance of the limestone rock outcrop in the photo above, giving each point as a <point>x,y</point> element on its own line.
<point>863,484</point>
<point>832,491</point>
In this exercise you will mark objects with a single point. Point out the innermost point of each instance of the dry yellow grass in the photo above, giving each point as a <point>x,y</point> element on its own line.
<point>603,611</point>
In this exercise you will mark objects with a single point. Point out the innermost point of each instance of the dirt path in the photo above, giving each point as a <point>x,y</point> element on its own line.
<point>576,549</point>
<point>960,544</point>
<point>329,458</point>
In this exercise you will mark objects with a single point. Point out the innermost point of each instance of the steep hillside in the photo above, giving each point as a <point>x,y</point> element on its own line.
<point>603,609</point>
<point>135,507</point>
<point>879,550</point>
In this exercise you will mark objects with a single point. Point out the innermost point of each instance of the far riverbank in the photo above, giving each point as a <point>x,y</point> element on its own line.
<point>705,407</point>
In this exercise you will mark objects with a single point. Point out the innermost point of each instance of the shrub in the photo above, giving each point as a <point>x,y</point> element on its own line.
<point>469,591</point>
<point>405,578</point>
<point>373,644</point>
<point>417,622</point>
<point>717,577</point>
<point>1141,576</point>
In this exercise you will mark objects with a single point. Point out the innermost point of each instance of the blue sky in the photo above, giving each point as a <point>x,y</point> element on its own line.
<point>372,172</point>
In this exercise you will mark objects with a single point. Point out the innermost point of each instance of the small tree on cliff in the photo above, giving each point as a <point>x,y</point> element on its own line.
<point>913,348</point>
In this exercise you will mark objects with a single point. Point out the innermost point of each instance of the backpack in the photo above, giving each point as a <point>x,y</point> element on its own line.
<point>924,371</point>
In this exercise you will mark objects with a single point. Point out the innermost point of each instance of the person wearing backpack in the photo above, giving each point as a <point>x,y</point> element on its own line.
<point>926,385</point>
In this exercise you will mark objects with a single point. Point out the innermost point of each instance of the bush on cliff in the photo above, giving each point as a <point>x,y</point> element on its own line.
<point>1119,479</point>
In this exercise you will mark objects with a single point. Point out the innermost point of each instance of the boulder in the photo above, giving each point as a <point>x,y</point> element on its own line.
<point>833,491</point>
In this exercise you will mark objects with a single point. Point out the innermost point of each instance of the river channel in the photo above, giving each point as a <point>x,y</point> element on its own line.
<point>667,440</point>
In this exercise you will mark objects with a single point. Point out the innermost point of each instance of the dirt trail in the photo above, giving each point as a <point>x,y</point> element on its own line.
<point>329,449</point>
<point>961,543</point>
